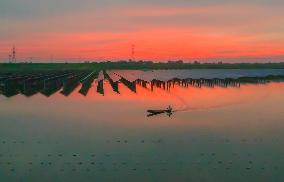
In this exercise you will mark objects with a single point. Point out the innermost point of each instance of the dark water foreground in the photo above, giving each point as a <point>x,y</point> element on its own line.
<point>224,129</point>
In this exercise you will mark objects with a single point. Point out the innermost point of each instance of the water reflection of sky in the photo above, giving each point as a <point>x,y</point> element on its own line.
<point>197,73</point>
<point>221,134</point>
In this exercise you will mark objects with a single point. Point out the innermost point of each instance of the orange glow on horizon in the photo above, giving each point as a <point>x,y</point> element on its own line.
<point>237,31</point>
<point>151,45</point>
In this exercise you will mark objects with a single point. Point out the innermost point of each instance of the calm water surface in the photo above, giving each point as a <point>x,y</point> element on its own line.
<point>217,134</point>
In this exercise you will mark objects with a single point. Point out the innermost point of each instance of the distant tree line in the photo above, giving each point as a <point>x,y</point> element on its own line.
<point>142,65</point>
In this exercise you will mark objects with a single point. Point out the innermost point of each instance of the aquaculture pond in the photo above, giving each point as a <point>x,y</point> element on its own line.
<point>94,126</point>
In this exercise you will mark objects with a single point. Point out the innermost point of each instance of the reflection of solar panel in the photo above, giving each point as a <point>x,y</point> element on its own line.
<point>100,87</point>
<point>87,83</point>
<point>113,84</point>
<point>48,83</point>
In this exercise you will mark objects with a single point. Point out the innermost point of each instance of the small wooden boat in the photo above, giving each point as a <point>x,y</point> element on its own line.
<point>168,111</point>
<point>156,111</point>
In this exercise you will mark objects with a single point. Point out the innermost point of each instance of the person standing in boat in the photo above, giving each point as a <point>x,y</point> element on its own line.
<point>169,111</point>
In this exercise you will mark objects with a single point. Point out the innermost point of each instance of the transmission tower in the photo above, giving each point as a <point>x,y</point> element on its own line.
<point>133,52</point>
<point>13,56</point>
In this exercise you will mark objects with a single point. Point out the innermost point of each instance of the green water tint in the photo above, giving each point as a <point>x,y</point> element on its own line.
<point>221,134</point>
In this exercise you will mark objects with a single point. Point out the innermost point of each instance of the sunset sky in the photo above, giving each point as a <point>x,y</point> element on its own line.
<point>161,30</point>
